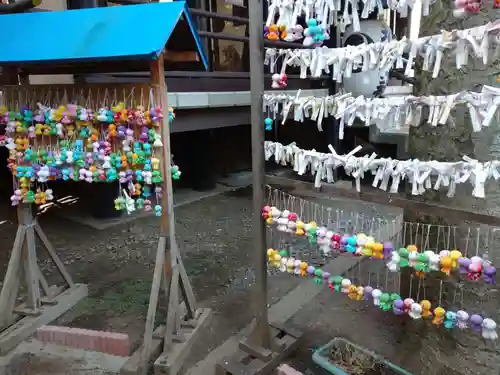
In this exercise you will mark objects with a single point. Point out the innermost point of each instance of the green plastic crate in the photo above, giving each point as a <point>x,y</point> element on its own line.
<point>322,358</point>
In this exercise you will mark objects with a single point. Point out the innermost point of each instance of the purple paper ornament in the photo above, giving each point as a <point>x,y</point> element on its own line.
<point>489,273</point>
<point>38,118</point>
<point>388,249</point>
<point>310,270</point>
<point>326,275</point>
<point>475,322</point>
<point>398,307</point>
<point>464,264</point>
<point>343,241</point>
<point>144,134</point>
<point>367,292</point>
<point>158,192</point>
<point>130,175</point>
<point>121,131</point>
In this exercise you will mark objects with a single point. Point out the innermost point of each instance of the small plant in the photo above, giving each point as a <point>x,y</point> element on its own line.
<point>351,360</point>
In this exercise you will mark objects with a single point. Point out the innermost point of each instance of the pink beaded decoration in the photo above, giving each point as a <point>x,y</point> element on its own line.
<point>465,7</point>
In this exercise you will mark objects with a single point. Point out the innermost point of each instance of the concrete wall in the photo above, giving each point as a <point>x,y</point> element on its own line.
<point>446,142</point>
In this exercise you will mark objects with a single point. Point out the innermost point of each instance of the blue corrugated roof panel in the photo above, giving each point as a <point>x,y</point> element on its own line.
<point>109,33</point>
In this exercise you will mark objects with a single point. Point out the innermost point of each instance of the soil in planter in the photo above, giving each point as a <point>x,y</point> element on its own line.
<point>355,362</point>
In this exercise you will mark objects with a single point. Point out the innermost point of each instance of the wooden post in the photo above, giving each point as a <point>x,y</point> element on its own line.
<point>261,336</point>
<point>265,347</point>
<point>183,321</point>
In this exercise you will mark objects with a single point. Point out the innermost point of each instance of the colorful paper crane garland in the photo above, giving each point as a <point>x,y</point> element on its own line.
<point>72,142</point>
<point>384,300</point>
<point>362,245</point>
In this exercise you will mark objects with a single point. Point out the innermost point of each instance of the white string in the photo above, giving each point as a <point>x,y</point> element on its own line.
<point>422,175</point>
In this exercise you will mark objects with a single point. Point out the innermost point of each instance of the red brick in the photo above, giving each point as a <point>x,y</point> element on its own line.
<point>100,341</point>
<point>93,339</point>
<point>287,370</point>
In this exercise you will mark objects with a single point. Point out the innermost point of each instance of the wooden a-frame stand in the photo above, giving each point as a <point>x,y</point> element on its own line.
<point>168,345</point>
<point>40,307</point>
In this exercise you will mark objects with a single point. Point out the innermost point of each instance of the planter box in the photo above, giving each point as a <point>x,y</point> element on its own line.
<point>343,348</point>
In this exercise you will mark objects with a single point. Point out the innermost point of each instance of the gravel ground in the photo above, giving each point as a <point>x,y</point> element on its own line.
<point>215,239</point>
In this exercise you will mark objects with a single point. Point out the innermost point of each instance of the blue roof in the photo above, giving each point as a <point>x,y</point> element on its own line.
<point>130,32</point>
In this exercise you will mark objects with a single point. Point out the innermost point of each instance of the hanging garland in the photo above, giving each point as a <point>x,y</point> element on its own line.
<point>385,300</point>
<point>399,54</point>
<point>446,261</point>
<point>360,244</point>
<point>386,113</point>
<point>285,14</point>
<point>74,142</point>
<point>418,173</point>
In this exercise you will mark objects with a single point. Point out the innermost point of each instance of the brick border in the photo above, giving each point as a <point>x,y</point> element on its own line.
<point>287,370</point>
<point>100,341</point>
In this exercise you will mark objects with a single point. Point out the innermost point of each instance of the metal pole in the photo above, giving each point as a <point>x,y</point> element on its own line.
<point>261,335</point>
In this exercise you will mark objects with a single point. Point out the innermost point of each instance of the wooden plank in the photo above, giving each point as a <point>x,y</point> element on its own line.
<point>132,365</point>
<point>242,363</point>
<point>24,328</point>
<point>54,290</point>
<point>52,252</point>
<point>10,285</point>
<point>43,282</point>
<point>27,311</point>
<point>181,56</point>
<point>172,361</point>
<point>381,197</point>
<point>172,308</point>
<point>98,92</point>
<point>263,354</point>
<point>186,288</point>
<point>161,266</point>
<point>153,304</point>
<point>30,271</point>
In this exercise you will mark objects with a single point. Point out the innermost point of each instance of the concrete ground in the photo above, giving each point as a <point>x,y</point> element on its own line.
<point>117,265</point>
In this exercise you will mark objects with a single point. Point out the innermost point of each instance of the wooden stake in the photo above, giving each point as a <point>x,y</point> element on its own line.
<point>10,285</point>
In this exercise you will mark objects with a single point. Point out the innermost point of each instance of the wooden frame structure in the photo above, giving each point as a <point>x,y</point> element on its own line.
<point>183,319</point>
<point>21,321</point>
<point>266,346</point>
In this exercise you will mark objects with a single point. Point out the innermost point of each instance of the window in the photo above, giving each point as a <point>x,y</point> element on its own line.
<point>229,55</point>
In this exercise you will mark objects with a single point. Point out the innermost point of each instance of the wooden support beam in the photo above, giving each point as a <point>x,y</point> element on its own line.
<point>178,338</point>
<point>181,56</point>
<point>11,282</point>
<point>18,323</point>
<point>26,327</point>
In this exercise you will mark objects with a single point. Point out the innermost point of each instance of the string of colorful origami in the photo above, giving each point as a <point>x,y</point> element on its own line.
<point>73,142</point>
